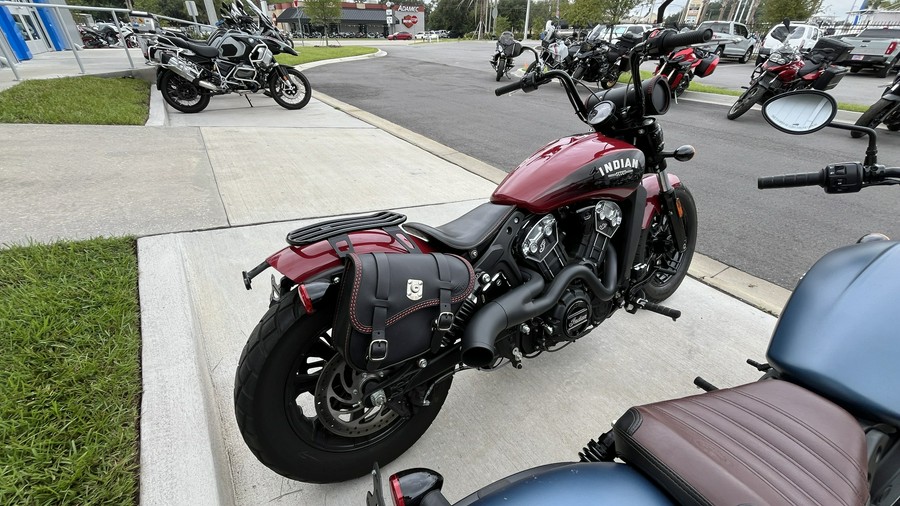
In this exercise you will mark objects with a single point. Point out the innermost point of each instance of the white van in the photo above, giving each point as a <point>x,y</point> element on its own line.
<point>802,36</point>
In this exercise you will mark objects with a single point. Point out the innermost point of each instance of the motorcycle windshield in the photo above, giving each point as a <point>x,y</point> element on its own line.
<point>597,32</point>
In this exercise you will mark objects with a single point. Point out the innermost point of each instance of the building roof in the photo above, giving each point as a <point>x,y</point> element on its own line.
<point>347,15</point>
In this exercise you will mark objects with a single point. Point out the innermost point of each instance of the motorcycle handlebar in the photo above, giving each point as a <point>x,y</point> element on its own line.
<point>792,180</point>
<point>670,40</point>
<point>509,88</point>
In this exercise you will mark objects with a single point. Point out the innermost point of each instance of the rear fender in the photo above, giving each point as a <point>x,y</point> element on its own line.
<point>301,264</point>
<point>654,201</point>
<point>571,483</point>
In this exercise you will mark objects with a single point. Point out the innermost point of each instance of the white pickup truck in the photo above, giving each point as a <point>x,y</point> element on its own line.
<point>874,48</point>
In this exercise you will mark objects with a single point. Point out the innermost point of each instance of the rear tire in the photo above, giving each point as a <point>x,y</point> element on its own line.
<point>883,71</point>
<point>668,265</point>
<point>874,115</point>
<point>745,102</point>
<point>294,94</point>
<point>182,94</point>
<point>281,418</point>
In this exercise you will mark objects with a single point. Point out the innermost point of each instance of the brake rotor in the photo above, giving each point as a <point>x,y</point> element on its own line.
<point>339,402</point>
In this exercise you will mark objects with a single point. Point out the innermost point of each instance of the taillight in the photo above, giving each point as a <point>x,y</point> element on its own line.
<point>396,493</point>
<point>891,47</point>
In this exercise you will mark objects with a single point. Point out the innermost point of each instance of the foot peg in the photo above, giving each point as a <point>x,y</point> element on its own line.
<point>645,304</point>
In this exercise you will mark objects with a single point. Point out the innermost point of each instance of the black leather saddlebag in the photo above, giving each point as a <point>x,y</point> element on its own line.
<point>395,307</point>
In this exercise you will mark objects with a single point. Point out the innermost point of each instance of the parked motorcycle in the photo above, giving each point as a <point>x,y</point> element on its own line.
<point>553,53</point>
<point>373,316</point>
<point>189,72</point>
<point>596,60</point>
<point>885,110</point>
<point>502,61</point>
<point>90,38</point>
<point>820,427</point>
<point>788,68</point>
<point>683,64</point>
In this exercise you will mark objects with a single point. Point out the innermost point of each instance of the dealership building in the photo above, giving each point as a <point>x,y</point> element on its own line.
<point>365,18</point>
<point>26,30</point>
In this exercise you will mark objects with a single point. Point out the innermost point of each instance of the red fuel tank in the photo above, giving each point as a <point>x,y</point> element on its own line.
<point>572,169</point>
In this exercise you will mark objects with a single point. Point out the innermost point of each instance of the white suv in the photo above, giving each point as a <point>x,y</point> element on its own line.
<point>799,35</point>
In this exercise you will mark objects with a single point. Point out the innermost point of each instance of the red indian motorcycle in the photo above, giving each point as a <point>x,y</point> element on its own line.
<point>683,64</point>
<point>788,69</point>
<point>373,316</point>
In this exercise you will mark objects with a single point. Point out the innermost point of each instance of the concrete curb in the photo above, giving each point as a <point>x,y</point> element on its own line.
<point>177,406</point>
<point>376,54</point>
<point>757,292</point>
<point>158,116</point>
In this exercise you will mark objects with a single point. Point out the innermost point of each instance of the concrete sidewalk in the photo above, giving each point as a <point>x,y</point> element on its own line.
<point>211,197</point>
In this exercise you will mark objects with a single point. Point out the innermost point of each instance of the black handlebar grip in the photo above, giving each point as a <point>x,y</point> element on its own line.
<point>792,180</point>
<point>672,40</point>
<point>509,88</point>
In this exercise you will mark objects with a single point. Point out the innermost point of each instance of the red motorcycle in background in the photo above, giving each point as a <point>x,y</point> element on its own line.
<point>373,316</point>
<point>683,64</point>
<point>788,68</point>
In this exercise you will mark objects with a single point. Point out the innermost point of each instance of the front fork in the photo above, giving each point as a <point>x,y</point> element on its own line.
<point>672,208</point>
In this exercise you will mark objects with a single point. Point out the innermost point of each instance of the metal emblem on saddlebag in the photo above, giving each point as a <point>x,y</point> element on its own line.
<point>414,289</point>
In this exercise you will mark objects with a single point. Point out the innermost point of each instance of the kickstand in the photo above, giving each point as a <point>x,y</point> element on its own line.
<point>247,96</point>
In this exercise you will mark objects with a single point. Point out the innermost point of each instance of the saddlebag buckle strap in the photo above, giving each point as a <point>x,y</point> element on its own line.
<point>443,322</point>
<point>378,349</point>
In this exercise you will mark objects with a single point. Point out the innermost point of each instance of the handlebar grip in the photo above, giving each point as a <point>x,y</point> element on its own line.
<point>792,180</point>
<point>672,40</point>
<point>509,88</point>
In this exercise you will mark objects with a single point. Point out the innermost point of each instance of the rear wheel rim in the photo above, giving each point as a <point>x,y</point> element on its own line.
<point>315,370</point>
<point>183,92</point>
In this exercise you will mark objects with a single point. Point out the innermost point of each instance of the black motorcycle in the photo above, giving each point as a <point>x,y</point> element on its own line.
<point>886,110</point>
<point>597,60</point>
<point>191,72</point>
<point>502,61</point>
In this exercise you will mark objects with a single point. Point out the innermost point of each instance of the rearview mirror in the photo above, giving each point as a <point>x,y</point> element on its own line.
<point>800,112</point>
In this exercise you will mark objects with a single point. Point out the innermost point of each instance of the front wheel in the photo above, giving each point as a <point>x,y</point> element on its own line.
<point>610,79</point>
<point>668,265</point>
<point>298,404</point>
<point>874,115</point>
<point>578,73</point>
<point>501,67</point>
<point>181,93</point>
<point>745,102</point>
<point>290,88</point>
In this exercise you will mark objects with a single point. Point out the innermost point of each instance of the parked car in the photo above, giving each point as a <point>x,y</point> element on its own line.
<point>874,48</point>
<point>616,31</point>
<point>730,40</point>
<point>799,35</point>
<point>400,36</point>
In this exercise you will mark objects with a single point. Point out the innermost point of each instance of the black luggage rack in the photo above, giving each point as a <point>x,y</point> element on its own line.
<point>327,229</point>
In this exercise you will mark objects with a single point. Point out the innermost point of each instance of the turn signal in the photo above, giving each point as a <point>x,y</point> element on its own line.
<point>679,208</point>
<point>409,487</point>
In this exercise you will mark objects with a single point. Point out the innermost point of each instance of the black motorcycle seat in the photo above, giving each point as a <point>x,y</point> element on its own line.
<point>769,442</point>
<point>466,232</point>
<point>808,68</point>
<point>200,49</point>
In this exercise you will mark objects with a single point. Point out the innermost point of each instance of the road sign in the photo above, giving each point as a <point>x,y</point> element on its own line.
<point>389,12</point>
<point>390,19</point>
<point>191,8</point>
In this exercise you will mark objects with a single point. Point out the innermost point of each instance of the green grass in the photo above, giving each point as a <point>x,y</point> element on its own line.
<point>69,373</point>
<point>77,100</point>
<point>315,53</point>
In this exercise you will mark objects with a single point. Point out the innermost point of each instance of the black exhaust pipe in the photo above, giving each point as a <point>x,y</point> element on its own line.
<point>520,305</point>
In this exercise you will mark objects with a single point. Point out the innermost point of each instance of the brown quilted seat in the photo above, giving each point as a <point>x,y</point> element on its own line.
<point>769,442</point>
